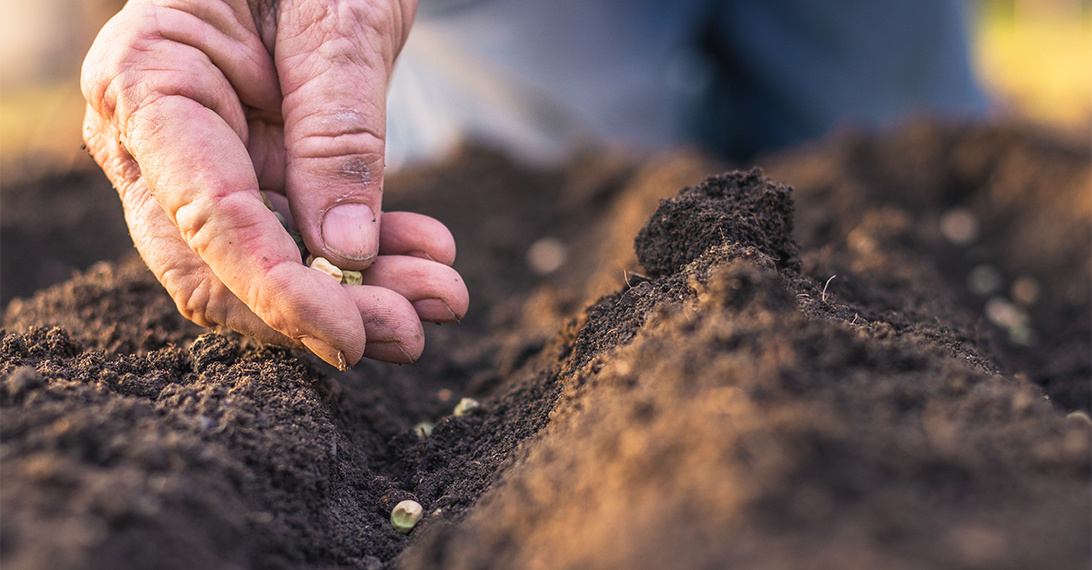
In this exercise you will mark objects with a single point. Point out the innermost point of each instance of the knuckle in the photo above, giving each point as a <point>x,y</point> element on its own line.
<point>121,43</point>
<point>203,218</point>
<point>192,220</point>
<point>134,63</point>
<point>335,131</point>
<point>347,150</point>
<point>356,15</point>
<point>193,300</point>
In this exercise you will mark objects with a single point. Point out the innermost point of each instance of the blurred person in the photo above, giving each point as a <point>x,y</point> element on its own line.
<point>196,105</point>
<point>540,79</point>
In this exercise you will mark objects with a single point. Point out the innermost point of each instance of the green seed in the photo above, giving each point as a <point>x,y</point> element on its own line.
<point>423,430</point>
<point>298,238</point>
<point>350,277</point>
<point>466,406</point>
<point>1079,418</point>
<point>405,515</point>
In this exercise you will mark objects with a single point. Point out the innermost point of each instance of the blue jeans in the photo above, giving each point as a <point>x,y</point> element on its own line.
<point>540,79</point>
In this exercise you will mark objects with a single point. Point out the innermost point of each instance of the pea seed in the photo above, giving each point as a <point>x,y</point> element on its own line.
<point>405,515</point>
<point>326,267</point>
<point>466,406</point>
<point>423,430</point>
<point>298,238</point>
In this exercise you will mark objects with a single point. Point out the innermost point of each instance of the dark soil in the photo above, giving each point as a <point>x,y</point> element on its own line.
<point>796,374</point>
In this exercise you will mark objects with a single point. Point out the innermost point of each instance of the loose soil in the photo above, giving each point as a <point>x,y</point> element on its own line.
<point>798,366</point>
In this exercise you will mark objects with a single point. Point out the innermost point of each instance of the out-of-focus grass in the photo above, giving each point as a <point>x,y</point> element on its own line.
<point>1036,59</point>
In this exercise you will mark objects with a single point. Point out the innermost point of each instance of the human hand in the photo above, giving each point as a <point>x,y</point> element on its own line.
<point>195,105</point>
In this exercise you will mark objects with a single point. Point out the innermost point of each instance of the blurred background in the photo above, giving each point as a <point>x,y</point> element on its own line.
<point>1033,56</point>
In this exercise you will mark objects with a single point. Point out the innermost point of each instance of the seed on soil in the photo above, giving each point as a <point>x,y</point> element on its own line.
<point>326,267</point>
<point>546,256</point>
<point>1005,314</point>
<point>466,406</point>
<point>1079,418</point>
<point>405,515</point>
<point>984,280</point>
<point>1025,290</point>
<point>423,430</point>
<point>959,226</point>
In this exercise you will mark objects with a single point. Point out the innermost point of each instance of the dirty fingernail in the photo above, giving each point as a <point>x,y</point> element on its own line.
<point>329,354</point>
<point>390,351</point>
<point>351,231</point>
<point>435,310</point>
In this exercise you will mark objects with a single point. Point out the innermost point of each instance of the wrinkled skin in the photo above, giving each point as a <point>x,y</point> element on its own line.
<point>196,105</point>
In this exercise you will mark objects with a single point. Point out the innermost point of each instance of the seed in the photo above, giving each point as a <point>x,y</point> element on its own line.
<point>405,515</point>
<point>1025,290</point>
<point>423,430</point>
<point>466,406</point>
<point>326,267</point>
<point>984,280</point>
<point>959,226</point>
<point>546,255</point>
<point>1079,418</point>
<point>350,277</point>
<point>300,245</point>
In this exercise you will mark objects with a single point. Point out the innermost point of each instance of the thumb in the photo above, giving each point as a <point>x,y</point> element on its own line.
<point>333,58</point>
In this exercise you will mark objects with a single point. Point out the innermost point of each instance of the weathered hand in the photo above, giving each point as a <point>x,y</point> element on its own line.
<point>195,105</point>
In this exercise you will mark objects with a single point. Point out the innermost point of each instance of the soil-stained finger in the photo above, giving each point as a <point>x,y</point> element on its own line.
<point>393,329</point>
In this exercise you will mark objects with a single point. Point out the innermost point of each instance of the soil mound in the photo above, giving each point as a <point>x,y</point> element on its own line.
<point>835,390</point>
<point>736,207</point>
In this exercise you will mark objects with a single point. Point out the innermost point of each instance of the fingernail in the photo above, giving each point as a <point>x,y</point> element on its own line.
<point>421,255</point>
<point>435,310</point>
<point>390,351</point>
<point>406,354</point>
<point>327,353</point>
<point>351,231</point>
